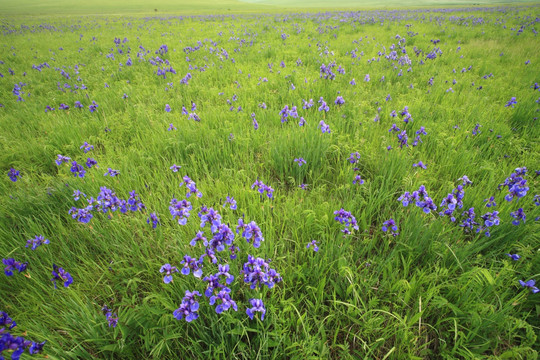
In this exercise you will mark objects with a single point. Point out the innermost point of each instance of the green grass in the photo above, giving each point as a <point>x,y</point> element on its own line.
<point>432,292</point>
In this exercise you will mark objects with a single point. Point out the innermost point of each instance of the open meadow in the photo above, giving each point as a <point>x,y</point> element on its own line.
<point>254,182</point>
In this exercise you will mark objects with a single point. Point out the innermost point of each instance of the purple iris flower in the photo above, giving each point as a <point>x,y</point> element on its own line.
<point>37,241</point>
<point>168,270</point>
<point>59,273</point>
<point>13,174</point>
<point>12,264</point>
<point>257,305</point>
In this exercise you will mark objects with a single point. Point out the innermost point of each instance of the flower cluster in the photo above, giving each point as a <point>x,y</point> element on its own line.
<point>37,241</point>
<point>112,318</point>
<point>191,186</point>
<point>14,174</point>
<point>390,225</point>
<point>262,188</point>
<point>60,274</point>
<point>516,184</point>
<point>421,198</point>
<point>15,344</point>
<point>189,307</point>
<point>346,218</point>
<point>12,264</point>
<point>257,272</point>
<point>250,232</point>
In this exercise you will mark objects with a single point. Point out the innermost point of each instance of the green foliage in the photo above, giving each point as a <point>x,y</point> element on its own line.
<point>431,292</point>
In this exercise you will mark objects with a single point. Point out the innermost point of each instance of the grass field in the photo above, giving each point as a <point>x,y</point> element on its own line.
<point>226,98</point>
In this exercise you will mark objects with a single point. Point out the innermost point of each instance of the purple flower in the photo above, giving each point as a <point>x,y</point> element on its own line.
<point>78,105</point>
<point>354,157</point>
<point>93,107</point>
<point>168,270</point>
<point>60,274</point>
<point>262,188</point>
<point>313,244</point>
<point>154,219</point>
<point>199,237</point>
<point>303,186</point>
<point>5,320</point>
<point>175,168</point>
<point>257,305</point>
<point>347,219</point>
<point>325,128</point>
<point>86,147</point>
<point>112,319</point>
<point>82,215</point>
<point>390,224</point>
<point>255,123</point>
<point>77,170</point>
<point>167,108</point>
<point>339,101</point>
<point>171,127</point>
<point>514,257</point>
<point>192,187</point>
<point>230,200</point>
<point>181,209</point>
<point>192,264</point>
<point>12,264</point>
<point>91,162</point>
<point>188,308</point>
<point>226,301</point>
<point>511,102</point>
<point>529,284</point>
<point>420,164</point>
<point>37,241</point>
<point>302,122</point>
<point>300,161</point>
<point>112,173</point>
<point>367,78</point>
<point>358,180</point>
<point>13,174</point>
<point>62,159</point>
<point>518,215</point>
<point>257,272</point>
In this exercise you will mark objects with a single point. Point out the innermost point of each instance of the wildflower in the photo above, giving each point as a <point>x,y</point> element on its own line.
<point>230,200</point>
<point>13,174</point>
<point>490,219</point>
<point>367,78</point>
<point>12,264</point>
<point>59,273</point>
<point>180,209</point>
<point>313,244</point>
<point>93,107</point>
<point>61,159</point>
<point>339,101</point>
<point>226,301</point>
<point>529,284</point>
<point>154,219</point>
<point>346,218</point>
<point>257,306</point>
<point>168,270</point>
<point>77,170</point>
<point>514,257</point>
<point>189,307</point>
<point>465,180</point>
<point>303,186</point>
<point>175,168</point>
<point>5,320</point>
<point>300,161</point>
<point>37,241</point>
<point>112,319</point>
<point>223,270</point>
<point>262,188</point>
<point>324,107</point>
<point>198,237</point>
<point>167,108</point>
<point>518,215</point>
<point>250,232</point>
<point>325,128</point>
<point>302,122</point>
<point>82,215</point>
<point>420,164</point>
<point>511,102</point>
<point>91,162</point>
<point>354,157</point>
<point>390,224</point>
<point>517,185</point>
<point>192,264</point>
<point>358,180</point>
<point>257,272</point>
<point>87,147</point>
<point>255,123</point>
<point>78,105</point>
<point>191,186</point>
<point>171,127</point>
<point>112,173</point>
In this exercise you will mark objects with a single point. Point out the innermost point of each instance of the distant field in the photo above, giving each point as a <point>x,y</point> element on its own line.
<point>80,7</point>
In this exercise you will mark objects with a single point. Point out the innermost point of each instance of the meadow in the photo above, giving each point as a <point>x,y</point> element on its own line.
<point>270,185</point>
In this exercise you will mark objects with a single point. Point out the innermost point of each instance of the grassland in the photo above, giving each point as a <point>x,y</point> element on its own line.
<point>433,291</point>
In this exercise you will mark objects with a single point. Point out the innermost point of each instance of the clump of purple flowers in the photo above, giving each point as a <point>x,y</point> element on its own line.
<point>36,242</point>
<point>346,218</point>
<point>257,272</point>
<point>192,264</point>
<point>517,185</point>
<point>111,317</point>
<point>226,301</point>
<point>250,232</point>
<point>390,224</point>
<point>12,264</point>
<point>422,199</point>
<point>300,161</point>
<point>529,284</point>
<point>154,219</point>
<point>14,174</point>
<point>168,269</point>
<point>189,307</point>
<point>60,274</point>
<point>180,209</point>
<point>191,186</point>
<point>313,244</point>
<point>257,305</point>
<point>263,188</point>
<point>518,215</point>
